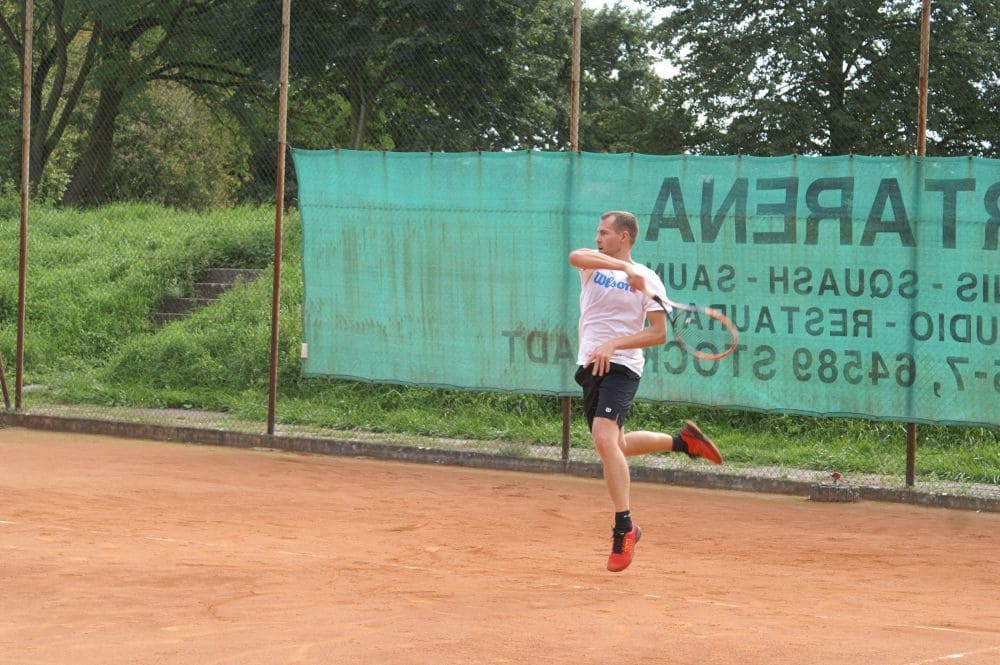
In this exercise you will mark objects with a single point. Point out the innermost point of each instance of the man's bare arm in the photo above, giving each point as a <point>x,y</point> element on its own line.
<point>591,259</point>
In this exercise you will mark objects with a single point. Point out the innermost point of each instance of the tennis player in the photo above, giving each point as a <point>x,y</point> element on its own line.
<point>614,311</point>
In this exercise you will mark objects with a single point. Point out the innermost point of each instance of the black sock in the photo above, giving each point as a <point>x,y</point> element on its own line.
<point>680,445</point>
<point>623,521</point>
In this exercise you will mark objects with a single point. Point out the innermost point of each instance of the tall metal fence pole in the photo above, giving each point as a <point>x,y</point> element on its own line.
<point>574,91</point>
<point>925,56</point>
<point>279,205</point>
<point>574,144</point>
<point>25,186</point>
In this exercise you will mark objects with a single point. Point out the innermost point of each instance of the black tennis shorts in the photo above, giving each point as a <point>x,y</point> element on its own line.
<point>609,396</point>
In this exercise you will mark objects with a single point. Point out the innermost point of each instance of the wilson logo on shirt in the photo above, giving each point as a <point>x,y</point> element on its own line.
<point>609,282</point>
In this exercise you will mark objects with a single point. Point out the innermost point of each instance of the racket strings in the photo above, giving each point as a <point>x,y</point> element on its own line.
<point>698,330</point>
<point>701,331</point>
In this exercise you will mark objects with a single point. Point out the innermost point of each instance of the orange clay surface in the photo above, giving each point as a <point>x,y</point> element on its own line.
<point>122,551</point>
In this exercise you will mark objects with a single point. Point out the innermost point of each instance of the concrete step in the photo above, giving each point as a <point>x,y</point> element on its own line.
<point>229,275</point>
<point>183,305</point>
<point>211,284</point>
<point>211,290</point>
<point>163,318</point>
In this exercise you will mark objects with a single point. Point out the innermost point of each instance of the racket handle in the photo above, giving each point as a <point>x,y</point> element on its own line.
<point>651,294</point>
<point>648,291</point>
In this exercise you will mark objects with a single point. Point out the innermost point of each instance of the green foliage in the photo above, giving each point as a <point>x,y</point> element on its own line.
<point>415,76</point>
<point>92,60</point>
<point>223,347</point>
<point>95,278</point>
<point>624,104</point>
<point>172,150</point>
<point>10,120</point>
<point>176,101</point>
<point>834,77</point>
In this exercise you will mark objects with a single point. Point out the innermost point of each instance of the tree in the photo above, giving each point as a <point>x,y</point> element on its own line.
<point>63,56</point>
<point>10,121</point>
<point>93,55</point>
<point>834,76</point>
<point>171,150</point>
<point>625,105</point>
<point>422,75</point>
<point>140,43</point>
<point>490,75</point>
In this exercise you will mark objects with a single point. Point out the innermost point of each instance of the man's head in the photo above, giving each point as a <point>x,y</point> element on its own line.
<point>617,233</point>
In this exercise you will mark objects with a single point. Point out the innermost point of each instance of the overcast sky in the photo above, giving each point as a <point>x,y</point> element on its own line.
<point>631,4</point>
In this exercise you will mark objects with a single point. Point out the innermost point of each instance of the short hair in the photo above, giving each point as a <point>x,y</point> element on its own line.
<point>624,221</point>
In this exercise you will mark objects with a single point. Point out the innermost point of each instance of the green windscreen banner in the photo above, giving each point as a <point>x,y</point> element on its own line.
<point>861,286</point>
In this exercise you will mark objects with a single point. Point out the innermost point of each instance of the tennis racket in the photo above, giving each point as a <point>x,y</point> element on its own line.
<point>703,332</point>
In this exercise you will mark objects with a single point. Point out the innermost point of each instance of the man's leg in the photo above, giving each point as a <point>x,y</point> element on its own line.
<point>607,441</point>
<point>691,440</point>
<point>644,443</point>
<point>609,438</point>
<point>611,397</point>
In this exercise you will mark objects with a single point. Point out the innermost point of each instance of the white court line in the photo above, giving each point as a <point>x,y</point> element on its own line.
<point>315,556</point>
<point>404,566</point>
<point>955,656</point>
<point>967,631</point>
<point>41,526</point>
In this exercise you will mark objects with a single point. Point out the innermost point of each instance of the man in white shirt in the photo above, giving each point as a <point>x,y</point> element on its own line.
<point>615,305</point>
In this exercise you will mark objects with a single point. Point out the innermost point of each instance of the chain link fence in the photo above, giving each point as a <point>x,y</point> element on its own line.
<point>152,166</point>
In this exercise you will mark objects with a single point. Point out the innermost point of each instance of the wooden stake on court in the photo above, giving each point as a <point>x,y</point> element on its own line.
<point>3,385</point>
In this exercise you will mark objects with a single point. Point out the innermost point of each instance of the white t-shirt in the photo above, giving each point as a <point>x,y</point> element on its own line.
<point>610,308</point>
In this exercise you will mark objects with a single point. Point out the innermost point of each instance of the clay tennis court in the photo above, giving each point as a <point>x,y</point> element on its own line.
<point>123,551</point>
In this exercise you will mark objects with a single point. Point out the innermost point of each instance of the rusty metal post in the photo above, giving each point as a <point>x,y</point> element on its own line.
<point>574,90</point>
<point>925,57</point>
<point>22,270</point>
<point>566,415</point>
<point>279,206</point>
<point>574,145</point>
<point>925,51</point>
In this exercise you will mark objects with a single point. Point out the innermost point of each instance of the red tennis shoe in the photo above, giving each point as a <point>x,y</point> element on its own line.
<point>698,444</point>
<point>623,548</point>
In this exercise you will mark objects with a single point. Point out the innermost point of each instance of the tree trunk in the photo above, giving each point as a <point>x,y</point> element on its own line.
<point>359,113</point>
<point>87,185</point>
<point>841,126</point>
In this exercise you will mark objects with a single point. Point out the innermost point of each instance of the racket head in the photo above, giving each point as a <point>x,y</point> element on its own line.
<point>704,332</point>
